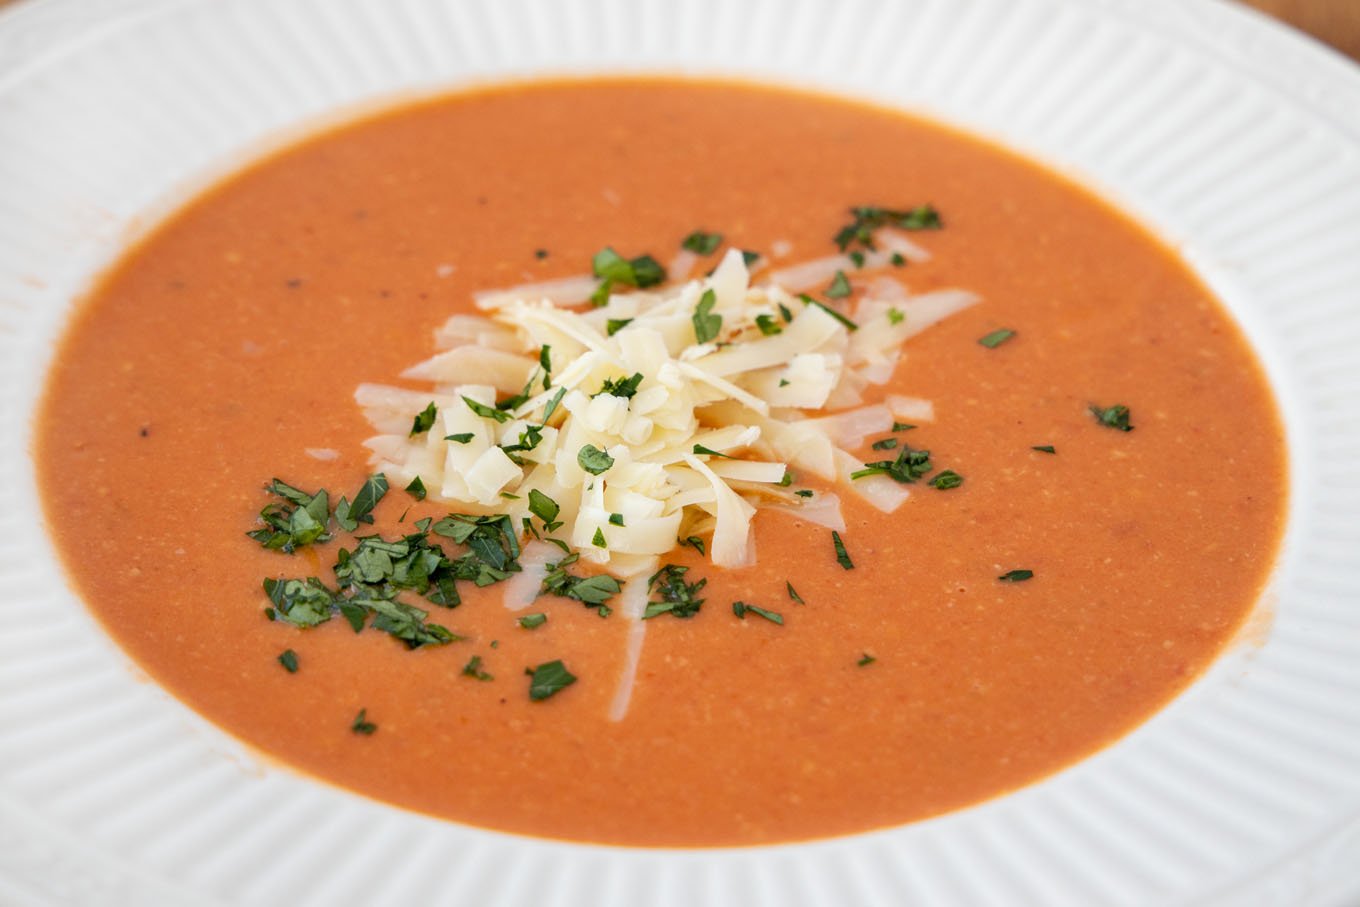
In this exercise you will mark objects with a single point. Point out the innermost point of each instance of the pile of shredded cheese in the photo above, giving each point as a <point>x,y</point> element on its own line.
<point>659,415</point>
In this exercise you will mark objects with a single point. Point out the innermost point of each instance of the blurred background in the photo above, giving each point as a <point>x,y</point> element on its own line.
<point>1335,22</point>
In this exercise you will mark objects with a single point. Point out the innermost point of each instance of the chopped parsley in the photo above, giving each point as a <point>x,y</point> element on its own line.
<point>474,670</point>
<point>487,412</point>
<point>599,540</point>
<point>616,519</point>
<point>1016,576</point>
<point>885,444</point>
<point>840,286</point>
<point>288,658</point>
<point>741,609</point>
<point>902,426</point>
<point>461,438</point>
<point>768,325</point>
<point>708,451</point>
<point>1116,417</point>
<point>808,300</point>
<point>793,594</point>
<point>613,269</point>
<point>361,724</point>
<point>423,420</point>
<point>896,315</point>
<point>548,679</point>
<point>531,621</point>
<point>996,338</point>
<point>749,258</point>
<point>907,467</point>
<point>868,218</point>
<point>416,489</point>
<point>545,508</point>
<point>1045,448</point>
<point>614,325</point>
<point>946,479</point>
<point>865,660</point>
<point>591,591</point>
<point>842,556</point>
<point>297,519</point>
<point>593,460</point>
<point>694,542</point>
<point>701,242</point>
<point>674,596</point>
<point>706,325</point>
<point>620,387</point>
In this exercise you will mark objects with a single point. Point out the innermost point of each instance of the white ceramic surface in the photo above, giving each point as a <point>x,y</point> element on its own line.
<point>1236,139</point>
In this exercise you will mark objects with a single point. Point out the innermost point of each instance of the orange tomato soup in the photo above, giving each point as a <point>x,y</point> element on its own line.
<point>230,341</point>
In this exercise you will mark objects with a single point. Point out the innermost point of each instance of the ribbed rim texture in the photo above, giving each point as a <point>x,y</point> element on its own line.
<point>1234,138</point>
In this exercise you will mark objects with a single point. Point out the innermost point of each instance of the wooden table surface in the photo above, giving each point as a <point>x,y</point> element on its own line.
<point>1336,22</point>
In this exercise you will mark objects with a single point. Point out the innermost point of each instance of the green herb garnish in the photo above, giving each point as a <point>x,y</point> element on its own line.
<point>593,460</point>
<point>708,451</point>
<point>548,679</point>
<point>474,670</point>
<point>592,591</point>
<point>461,438</point>
<point>620,387</point>
<point>297,519</point>
<point>909,465</point>
<point>840,286</point>
<point>599,541</point>
<point>362,725</point>
<point>706,326</point>
<point>288,658</point>
<point>867,219</point>
<point>614,325</point>
<point>808,300</point>
<point>768,325</point>
<point>1016,576</point>
<point>741,609</point>
<point>1045,448</point>
<point>674,596</point>
<point>487,412</point>
<point>416,489</point>
<point>842,556</point>
<point>885,444</point>
<point>865,659</point>
<point>701,242</point>
<point>946,479</point>
<point>996,338</point>
<point>423,420</point>
<point>530,621</point>
<point>694,542</point>
<point>1116,416</point>
<point>793,594</point>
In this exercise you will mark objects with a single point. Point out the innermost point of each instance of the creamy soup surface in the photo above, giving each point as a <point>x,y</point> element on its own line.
<point>230,341</point>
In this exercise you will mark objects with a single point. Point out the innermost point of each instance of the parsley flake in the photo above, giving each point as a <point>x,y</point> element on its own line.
<point>531,621</point>
<point>1116,417</point>
<point>548,679</point>
<point>840,286</point>
<point>674,596</point>
<point>361,724</point>
<point>741,609</point>
<point>793,594</point>
<point>996,338</point>
<point>288,658</point>
<point>842,556</point>
<point>593,460</point>
<point>701,242</point>
<point>423,420</point>
<point>474,670</point>
<point>487,412</point>
<point>416,489</point>
<point>946,479</point>
<point>1016,576</point>
<point>1045,448</point>
<point>706,325</point>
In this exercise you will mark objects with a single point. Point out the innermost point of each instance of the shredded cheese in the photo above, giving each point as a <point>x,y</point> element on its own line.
<point>639,433</point>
